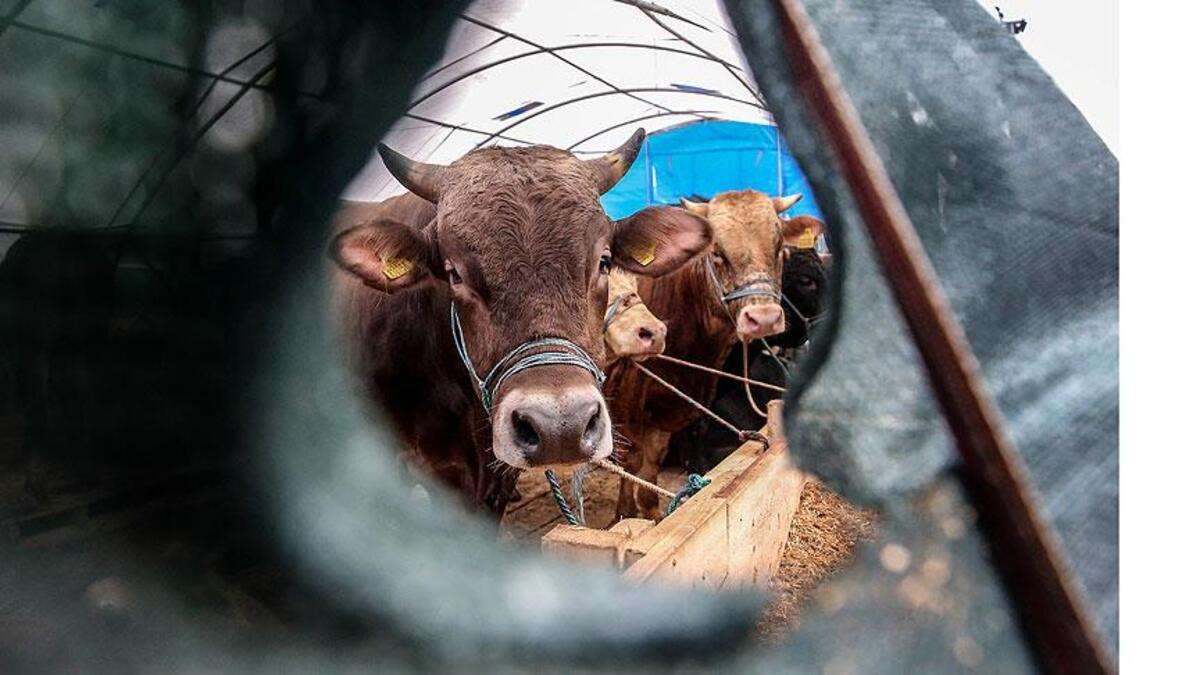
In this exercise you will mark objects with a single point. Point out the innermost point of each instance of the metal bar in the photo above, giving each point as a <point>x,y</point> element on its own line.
<point>12,15</point>
<point>701,113</point>
<point>565,60</point>
<point>182,131</point>
<point>191,143</point>
<point>117,51</point>
<point>542,111</point>
<point>1026,551</point>
<point>468,55</point>
<point>459,127</point>
<point>550,50</point>
<point>728,66</point>
<point>659,9</point>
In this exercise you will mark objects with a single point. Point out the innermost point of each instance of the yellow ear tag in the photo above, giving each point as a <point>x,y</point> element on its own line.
<point>643,251</point>
<point>807,240</point>
<point>394,268</point>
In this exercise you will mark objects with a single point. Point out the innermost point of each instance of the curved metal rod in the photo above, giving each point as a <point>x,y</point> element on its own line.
<point>459,127</point>
<point>562,58</point>
<point>551,50</point>
<point>660,90</point>
<point>195,110</point>
<point>658,9</point>
<point>468,55</point>
<point>699,113</point>
<point>728,66</point>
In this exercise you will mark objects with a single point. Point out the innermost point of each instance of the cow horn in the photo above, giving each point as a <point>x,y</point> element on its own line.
<point>698,208</point>
<point>612,166</point>
<point>784,203</point>
<point>424,180</point>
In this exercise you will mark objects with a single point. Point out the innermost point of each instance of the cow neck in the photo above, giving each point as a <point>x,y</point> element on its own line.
<point>545,351</point>
<point>691,333</point>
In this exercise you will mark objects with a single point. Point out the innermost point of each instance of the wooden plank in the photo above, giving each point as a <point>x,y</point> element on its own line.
<point>594,547</point>
<point>692,546</point>
<point>688,548</point>
<point>759,520</point>
<point>731,533</point>
<point>632,527</point>
<point>762,503</point>
<point>584,545</point>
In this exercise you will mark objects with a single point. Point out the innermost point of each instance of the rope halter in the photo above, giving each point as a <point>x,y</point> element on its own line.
<point>557,352</point>
<point>616,309</point>
<point>761,285</point>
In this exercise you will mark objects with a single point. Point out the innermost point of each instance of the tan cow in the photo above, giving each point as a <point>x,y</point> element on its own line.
<point>630,329</point>
<point>727,295</point>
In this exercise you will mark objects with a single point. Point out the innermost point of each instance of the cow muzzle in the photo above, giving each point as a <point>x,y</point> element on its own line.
<point>554,416</point>
<point>760,321</point>
<point>636,334</point>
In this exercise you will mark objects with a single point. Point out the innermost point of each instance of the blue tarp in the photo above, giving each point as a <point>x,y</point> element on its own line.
<point>705,158</point>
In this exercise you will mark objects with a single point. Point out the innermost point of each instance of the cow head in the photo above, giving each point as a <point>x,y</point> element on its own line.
<point>804,281</point>
<point>631,330</point>
<point>747,254</point>
<point>804,268</point>
<point>525,250</point>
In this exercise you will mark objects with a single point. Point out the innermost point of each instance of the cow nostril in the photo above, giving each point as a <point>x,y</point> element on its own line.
<point>523,430</point>
<point>593,422</point>
<point>645,334</point>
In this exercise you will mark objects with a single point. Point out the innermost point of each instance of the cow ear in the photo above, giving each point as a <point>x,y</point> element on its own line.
<point>802,231</point>
<point>385,254</point>
<point>659,239</point>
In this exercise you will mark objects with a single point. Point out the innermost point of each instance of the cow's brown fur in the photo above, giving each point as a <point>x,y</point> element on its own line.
<point>700,328</point>
<point>526,224</point>
<point>525,230</point>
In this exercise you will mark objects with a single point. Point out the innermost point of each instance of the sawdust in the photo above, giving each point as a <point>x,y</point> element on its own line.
<point>822,540</point>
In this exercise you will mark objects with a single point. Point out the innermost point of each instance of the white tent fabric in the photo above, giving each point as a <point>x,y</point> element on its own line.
<point>577,75</point>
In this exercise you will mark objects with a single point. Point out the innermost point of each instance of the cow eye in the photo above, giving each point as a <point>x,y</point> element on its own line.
<point>718,257</point>
<point>808,282</point>
<point>605,263</point>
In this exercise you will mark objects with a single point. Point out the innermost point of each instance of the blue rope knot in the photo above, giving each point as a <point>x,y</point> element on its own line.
<point>695,483</point>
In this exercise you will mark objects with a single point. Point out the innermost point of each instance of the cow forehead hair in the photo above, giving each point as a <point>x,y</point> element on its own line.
<point>522,191</point>
<point>531,218</point>
<point>744,220</point>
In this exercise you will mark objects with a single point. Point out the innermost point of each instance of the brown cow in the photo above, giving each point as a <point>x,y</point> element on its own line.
<point>727,295</point>
<point>477,323</point>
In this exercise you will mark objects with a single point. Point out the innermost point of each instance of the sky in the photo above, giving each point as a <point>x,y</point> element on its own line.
<point>1075,41</point>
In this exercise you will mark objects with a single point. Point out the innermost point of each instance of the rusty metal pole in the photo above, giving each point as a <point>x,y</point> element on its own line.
<point>1026,551</point>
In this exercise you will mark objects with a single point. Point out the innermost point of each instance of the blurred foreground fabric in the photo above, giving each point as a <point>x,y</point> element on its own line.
<point>180,443</point>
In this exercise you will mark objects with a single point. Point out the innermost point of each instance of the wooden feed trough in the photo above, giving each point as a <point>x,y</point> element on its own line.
<point>730,534</point>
